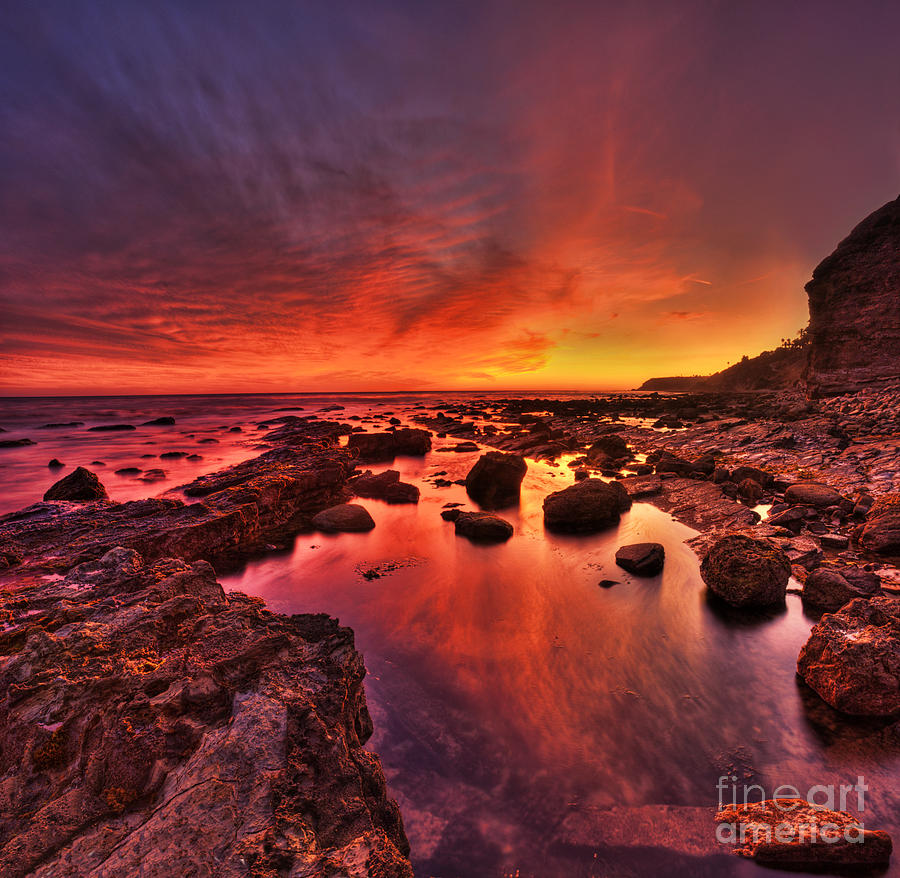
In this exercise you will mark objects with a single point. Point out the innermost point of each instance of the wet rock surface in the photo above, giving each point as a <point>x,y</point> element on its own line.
<point>151,722</point>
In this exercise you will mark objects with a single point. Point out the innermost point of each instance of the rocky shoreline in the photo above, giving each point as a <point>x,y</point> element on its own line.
<point>151,722</point>
<point>117,639</point>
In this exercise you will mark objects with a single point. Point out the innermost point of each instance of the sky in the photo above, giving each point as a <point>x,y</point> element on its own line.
<point>339,196</point>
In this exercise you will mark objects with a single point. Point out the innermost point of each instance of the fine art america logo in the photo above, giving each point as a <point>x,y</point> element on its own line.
<point>797,817</point>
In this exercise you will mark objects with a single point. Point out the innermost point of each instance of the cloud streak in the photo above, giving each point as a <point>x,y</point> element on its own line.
<point>297,196</point>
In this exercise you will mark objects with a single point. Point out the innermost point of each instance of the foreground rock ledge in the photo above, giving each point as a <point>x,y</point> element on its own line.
<point>152,723</point>
<point>795,834</point>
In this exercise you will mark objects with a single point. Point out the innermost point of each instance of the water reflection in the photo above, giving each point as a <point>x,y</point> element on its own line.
<point>510,692</point>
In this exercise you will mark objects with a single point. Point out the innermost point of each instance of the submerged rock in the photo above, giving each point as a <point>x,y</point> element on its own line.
<point>55,464</point>
<point>746,572</point>
<point>81,486</point>
<point>586,506</point>
<point>495,480</point>
<point>482,527</point>
<point>852,658</point>
<point>347,517</point>
<point>174,729</point>
<point>111,428</point>
<point>642,559</point>
<point>160,422</point>
<point>794,834</point>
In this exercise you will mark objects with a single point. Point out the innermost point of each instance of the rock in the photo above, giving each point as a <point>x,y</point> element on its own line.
<point>173,455</point>
<point>834,541</point>
<point>671,464</point>
<point>642,559</point>
<point>384,486</point>
<point>759,476</point>
<point>792,518</point>
<point>128,471</point>
<point>639,487</point>
<point>751,490</point>
<point>174,729</point>
<point>854,322</point>
<point>460,447</point>
<point>802,550</point>
<point>111,428</point>
<point>852,658</point>
<point>610,446</point>
<point>495,480</point>
<point>160,422</point>
<point>347,517</point>
<point>412,442</point>
<point>812,494</point>
<point>482,527</point>
<point>581,474</point>
<point>746,572</point>
<point>81,486</point>
<point>55,464</point>
<point>60,425</point>
<point>794,834</point>
<point>586,507</point>
<point>15,443</point>
<point>154,475</point>
<point>385,446</point>
<point>881,533</point>
<point>828,589</point>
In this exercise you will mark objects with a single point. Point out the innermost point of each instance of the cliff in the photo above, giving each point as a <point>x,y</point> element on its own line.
<point>854,309</point>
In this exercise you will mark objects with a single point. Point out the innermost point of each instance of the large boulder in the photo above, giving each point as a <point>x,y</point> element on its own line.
<point>348,517</point>
<point>746,572</point>
<point>854,321</point>
<point>586,506</point>
<point>852,658</point>
<point>828,589</point>
<point>81,486</point>
<point>384,486</point>
<point>812,494</point>
<point>641,559</point>
<point>794,834</point>
<point>495,480</point>
<point>482,527</point>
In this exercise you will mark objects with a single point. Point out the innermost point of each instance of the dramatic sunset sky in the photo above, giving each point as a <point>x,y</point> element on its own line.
<point>378,195</point>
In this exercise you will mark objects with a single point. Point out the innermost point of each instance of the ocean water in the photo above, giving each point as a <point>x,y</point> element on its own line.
<point>525,716</point>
